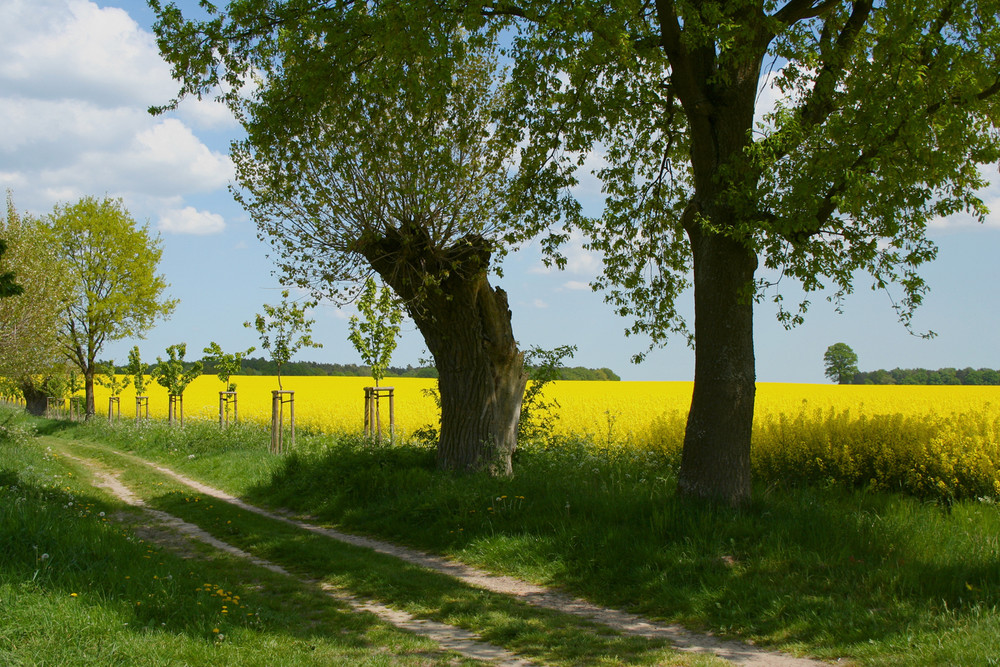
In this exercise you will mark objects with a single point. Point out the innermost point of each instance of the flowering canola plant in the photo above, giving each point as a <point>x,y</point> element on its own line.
<point>631,412</point>
<point>935,441</point>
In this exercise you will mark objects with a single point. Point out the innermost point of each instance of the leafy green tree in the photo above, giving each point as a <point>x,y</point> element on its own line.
<point>284,329</point>
<point>841,363</point>
<point>398,171</point>
<point>226,365</point>
<point>172,374</point>
<point>109,379</point>
<point>375,336</point>
<point>137,370</point>
<point>538,413</point>
<point>885,112</point>
<point>8,280</point>
<point>116,291</point>
<point>30,354</point>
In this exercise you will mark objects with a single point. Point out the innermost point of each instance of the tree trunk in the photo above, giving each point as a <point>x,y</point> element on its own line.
<point>481,377</point>
<point>36,402</point>
<point>466,324</point>
<point>715,462</point>
<point>90,408</point>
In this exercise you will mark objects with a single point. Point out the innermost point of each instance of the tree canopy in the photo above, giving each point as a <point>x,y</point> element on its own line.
<point>284,329</point>
<point>374,337</point>
<point>884,114</point>
<point>841,363</point>
<point>30,321</point>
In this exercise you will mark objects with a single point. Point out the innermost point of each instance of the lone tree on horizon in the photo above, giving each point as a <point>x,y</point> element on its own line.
<point>884,113</point>
<point>841,363</point>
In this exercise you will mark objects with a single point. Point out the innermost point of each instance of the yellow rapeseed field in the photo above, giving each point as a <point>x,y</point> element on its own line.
<point>626,410</point>
<point>936,441</point>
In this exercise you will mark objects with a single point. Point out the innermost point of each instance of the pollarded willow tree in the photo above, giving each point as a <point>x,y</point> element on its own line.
<point>885,113</point>
<point>374,155</point>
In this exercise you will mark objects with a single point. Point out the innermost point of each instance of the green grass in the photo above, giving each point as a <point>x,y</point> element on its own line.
<point>77,587</point>
<point>873,577</point>
<point>139,600</point>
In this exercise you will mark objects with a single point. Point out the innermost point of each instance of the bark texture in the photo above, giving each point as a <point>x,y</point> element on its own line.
<point>715,462</point>
<point>35,400</point>
<point>90,408</point>
<point>466,324</point>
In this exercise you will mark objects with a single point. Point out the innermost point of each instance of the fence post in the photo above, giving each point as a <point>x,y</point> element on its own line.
<point>275,422</point>
<point>226,399</point>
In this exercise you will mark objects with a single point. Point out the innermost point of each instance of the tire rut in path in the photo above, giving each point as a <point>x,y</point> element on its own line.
<point>447,636</point>
<point>680,638</point>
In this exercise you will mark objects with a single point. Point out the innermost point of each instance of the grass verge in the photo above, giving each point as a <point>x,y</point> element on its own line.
<point>79,586</point>
<point>874,577</point>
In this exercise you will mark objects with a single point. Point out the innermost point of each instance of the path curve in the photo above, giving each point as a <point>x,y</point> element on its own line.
<point>680,638</point>
<point>450,637</point>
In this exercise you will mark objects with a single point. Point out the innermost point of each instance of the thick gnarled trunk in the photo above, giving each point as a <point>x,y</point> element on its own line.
<point>481,376</point>
<point>466,324</point>
<point>36,401</point>
<point>715,463</point>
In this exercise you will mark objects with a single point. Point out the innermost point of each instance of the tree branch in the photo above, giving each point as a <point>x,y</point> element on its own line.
<point>799,10</point>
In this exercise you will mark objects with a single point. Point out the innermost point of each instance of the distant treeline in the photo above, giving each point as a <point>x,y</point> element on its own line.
<point>981,376</point>
<point>262,366</point>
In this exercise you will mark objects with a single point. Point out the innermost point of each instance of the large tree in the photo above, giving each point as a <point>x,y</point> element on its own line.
<point>117,293</point>
<point>885,113</point>
<point>390,166</point>
<point>30,320</point>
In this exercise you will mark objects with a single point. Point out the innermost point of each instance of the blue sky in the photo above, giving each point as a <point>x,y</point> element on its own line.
<point>76,77</point>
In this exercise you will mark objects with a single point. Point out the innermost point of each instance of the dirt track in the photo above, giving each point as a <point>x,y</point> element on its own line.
<point>450,637</point>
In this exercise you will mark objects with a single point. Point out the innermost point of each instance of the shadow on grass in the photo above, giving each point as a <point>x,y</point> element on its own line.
<point>533,632</point>
<point>45,426</point>
<point>57,545</point>
<point>828,569</point>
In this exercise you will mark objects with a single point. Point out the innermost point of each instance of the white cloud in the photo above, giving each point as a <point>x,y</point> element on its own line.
<point>538,303</point>
<point>576,286</point>
<point>206,113</point>
<point>189,220</point>
<point>75,82</point>
<point>579,260</point>
<point>73,49</point>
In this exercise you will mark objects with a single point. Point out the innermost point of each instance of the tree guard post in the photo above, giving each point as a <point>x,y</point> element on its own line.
<point>373,417</point>
<point>53,406</point>
<point>175,409</point>
<point>114,408</point>
<point>141,405</point>
<point>227,399</point>
<point>278,401</point>
<point>76,408</point>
